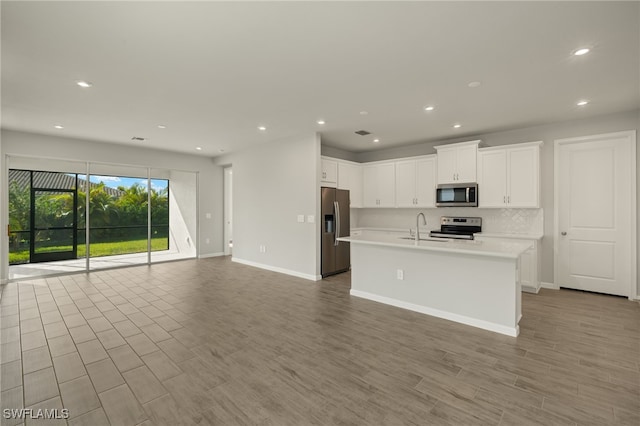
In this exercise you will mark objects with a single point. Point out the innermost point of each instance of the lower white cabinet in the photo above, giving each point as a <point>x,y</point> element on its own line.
<point>529,263</point>
<point>379,185</point>
<point>528,271</point>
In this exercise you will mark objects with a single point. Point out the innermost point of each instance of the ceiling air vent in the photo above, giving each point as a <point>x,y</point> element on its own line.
<point>138,138</point>
<point>363,133</point>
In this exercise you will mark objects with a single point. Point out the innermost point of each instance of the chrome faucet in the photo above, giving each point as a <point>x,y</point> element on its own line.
<point>424,222</point>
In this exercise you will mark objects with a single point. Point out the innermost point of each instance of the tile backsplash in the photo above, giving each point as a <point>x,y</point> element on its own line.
<point>508,221</point>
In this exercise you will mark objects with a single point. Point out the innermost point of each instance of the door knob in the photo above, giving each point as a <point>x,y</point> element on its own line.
<point>563,233</point>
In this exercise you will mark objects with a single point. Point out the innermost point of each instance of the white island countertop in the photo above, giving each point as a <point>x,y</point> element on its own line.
<point>502,248</point>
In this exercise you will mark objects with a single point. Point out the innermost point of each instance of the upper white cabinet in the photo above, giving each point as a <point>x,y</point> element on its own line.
<point>350,178</point>
<point>457,162</point>
<point>329,173</point>
<point>379,185</point>
<point>416,182</point>
<point>509,176</point>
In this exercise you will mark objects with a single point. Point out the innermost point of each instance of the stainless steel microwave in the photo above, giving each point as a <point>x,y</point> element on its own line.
<point>457,195</point>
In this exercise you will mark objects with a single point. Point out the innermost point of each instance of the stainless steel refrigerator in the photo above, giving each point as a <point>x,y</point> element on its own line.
<point>335,224</point>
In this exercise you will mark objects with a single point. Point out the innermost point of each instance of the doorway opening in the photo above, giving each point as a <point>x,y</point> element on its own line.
<point>228,211</point>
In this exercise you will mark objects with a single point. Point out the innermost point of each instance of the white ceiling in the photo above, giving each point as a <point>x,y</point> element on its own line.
<point>212,72</point>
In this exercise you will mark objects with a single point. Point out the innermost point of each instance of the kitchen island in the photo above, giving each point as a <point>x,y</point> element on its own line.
<point>470,282</point>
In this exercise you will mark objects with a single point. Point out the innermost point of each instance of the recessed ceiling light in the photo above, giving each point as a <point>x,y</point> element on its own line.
<point>582,51</point>
<point>582,103</point>
<point>474,84</point>
<point>320,122</point>
<point>262,128</point>
<point>429,108</point>
<point>84,84</point>
<point>57,126</point>
<point>457,126</point>
<point>363,113</point>
<point>161,126</point>
<point>376,140</point>
<point>198,148</point>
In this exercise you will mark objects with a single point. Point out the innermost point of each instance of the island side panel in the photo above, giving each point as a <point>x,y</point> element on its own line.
<point>481,291</point>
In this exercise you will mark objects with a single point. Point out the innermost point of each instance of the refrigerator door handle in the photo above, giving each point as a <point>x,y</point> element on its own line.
<point>336,209</point>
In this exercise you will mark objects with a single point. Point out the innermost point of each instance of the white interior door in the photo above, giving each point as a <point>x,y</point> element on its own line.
<point>595,213</point>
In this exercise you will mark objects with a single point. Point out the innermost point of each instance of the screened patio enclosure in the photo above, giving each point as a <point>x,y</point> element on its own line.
<point>69,216</point>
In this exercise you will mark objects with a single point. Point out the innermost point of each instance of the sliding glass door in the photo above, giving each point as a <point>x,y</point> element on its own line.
<point>118,216</point>
<point>53,225</point>
<point>88,216</point>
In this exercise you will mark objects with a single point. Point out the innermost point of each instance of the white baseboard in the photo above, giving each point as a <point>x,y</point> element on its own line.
<point>277,269</point>
<point>497,328</point>
<point>550,286</point>
<point>204,256</point>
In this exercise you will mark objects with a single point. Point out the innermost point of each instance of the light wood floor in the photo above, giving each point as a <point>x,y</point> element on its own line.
<point>214,342</point>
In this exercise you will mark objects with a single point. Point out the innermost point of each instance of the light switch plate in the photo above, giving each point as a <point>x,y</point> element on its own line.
<point>300,218</point>
<point>311,218</point>
<point>208,215</point>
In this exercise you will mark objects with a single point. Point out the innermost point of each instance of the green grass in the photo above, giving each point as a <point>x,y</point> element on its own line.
<point>97,249</point>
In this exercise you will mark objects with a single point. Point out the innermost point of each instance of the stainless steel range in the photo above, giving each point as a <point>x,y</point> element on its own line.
<point>461,228</point>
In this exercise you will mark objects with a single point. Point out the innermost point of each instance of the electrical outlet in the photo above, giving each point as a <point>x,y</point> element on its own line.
<point>311,218</point>
<point>263,248</point>
<point>400,274</point>
<point>207,241</point>
<point>300,218</point>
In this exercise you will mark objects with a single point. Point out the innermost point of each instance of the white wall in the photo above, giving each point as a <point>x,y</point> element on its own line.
<point>272,184</point>
<point>183,208</point>
<point>629,120</point>
<point>209,196</point>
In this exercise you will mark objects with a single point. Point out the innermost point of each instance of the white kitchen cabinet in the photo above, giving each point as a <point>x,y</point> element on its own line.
<point>379,185</point>
<point>350,178</point>
<point>492,178</point>
<point>457,162</point>
<point>329,173</point>
<point>416,182</point>
<point>527,271</point>
<point>509,176</point>
<point>528,263</point>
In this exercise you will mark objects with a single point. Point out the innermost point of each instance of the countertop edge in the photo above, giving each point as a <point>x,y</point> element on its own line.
<point>441,249</point>
<point>479,234</point>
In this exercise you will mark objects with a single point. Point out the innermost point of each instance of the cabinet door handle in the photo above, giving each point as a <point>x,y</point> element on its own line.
<point>504,199</point>
<point>509,199</point>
